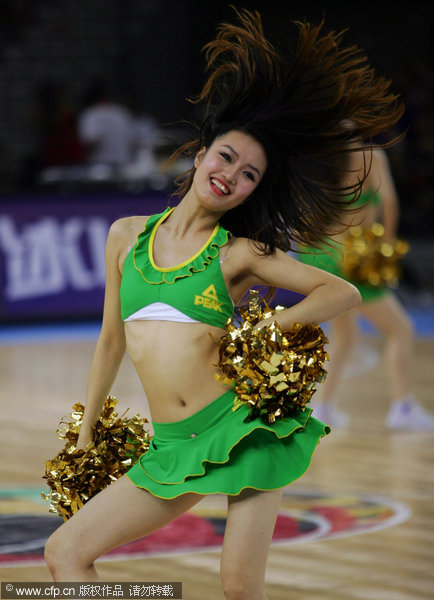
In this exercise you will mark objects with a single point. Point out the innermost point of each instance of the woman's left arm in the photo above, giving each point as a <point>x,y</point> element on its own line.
<point>326,296</point>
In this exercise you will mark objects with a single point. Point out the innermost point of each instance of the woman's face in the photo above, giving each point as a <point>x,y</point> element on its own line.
<point>229,170</point>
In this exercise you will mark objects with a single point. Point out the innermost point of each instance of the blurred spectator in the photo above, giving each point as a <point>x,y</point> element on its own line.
<point>106,129</point>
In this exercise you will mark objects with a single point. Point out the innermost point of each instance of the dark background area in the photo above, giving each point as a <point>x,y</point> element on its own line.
<point>148,52</point>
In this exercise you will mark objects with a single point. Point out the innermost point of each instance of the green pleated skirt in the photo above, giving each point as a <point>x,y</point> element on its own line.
<point>215,452</point>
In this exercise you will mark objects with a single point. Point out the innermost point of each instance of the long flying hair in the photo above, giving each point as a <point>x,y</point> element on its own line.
<point>307,110</point>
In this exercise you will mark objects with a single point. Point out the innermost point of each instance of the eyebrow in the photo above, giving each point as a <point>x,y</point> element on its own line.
<point>237,155</point>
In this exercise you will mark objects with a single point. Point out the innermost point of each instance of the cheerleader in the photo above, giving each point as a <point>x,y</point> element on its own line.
<point>261,180</point>
<point>375,217</point>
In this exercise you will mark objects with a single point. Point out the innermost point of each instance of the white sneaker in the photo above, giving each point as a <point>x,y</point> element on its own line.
<point>330,415</point>
<point>409,415</point>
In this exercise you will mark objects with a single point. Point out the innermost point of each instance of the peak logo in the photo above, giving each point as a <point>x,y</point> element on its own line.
<point>208,299</point>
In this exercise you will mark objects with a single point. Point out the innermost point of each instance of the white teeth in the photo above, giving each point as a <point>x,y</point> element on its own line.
<point>220,186</point>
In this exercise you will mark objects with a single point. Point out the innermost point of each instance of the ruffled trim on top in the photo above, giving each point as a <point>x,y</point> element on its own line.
<point>142,253</point>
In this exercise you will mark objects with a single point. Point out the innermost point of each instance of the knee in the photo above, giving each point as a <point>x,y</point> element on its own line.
<point>60,553</point>
<point>52,553</point>
<point>235,591</point>
<point>238,586</point>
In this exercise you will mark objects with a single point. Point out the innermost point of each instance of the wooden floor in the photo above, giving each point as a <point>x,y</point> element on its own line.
<point>39,383</point>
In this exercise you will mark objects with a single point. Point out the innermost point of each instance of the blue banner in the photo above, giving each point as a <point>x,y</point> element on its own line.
<point>52,252</point>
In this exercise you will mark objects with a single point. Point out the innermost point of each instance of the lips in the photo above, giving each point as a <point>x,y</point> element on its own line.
<point>219,186</point>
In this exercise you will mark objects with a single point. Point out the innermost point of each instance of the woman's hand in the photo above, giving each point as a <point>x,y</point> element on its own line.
<point>265,323</point>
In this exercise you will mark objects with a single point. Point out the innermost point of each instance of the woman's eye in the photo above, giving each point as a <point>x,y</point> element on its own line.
<point>249,175</point>
<point>226,156</point>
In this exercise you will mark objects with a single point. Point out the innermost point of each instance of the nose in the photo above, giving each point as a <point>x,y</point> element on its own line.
<point>231,174</point>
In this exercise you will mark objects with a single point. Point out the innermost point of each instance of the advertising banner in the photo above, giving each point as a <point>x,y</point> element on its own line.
<point>52,252</point>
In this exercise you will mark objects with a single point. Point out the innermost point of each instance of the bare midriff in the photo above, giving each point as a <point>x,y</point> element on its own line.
<point>176,363</point>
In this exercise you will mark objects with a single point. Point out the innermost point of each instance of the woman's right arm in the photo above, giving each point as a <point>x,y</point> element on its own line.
<point>110,347</point>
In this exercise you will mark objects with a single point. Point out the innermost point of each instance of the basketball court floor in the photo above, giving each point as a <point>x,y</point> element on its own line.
<point>357,525</point>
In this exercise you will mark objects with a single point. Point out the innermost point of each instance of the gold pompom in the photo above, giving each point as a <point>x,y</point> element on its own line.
<point>273,372</point>
<point>368,259</point>
<point>74,476</point>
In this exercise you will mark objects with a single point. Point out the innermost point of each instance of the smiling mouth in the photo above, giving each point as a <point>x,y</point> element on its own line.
<point>220,186</point>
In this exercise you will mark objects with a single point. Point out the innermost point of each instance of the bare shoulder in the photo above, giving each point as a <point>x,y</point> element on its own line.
<point>245,252</point>
<point>239,247</point>
<point>126,229</point>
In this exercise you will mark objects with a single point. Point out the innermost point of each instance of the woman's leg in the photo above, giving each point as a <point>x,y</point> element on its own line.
<point>120,513</point>
<point>249,529</point>
<point>390,318</point>
<point>342,337</point>
<point>393,322</point>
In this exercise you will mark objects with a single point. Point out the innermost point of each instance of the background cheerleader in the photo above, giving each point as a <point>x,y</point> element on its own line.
<point>378,203</point>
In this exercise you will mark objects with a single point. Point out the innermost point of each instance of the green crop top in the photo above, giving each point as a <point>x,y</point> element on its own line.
<point>192,292</point>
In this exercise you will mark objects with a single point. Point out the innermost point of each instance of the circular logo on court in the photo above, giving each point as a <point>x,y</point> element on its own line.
<point>304,516</point>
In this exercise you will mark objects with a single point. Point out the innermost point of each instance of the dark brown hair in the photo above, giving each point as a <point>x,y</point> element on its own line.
<point>306,109</point>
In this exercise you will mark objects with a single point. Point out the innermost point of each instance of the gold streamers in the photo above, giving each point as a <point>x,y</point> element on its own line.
<point>369,259</point>
<point>274,372</point>
<point>74,476</point>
